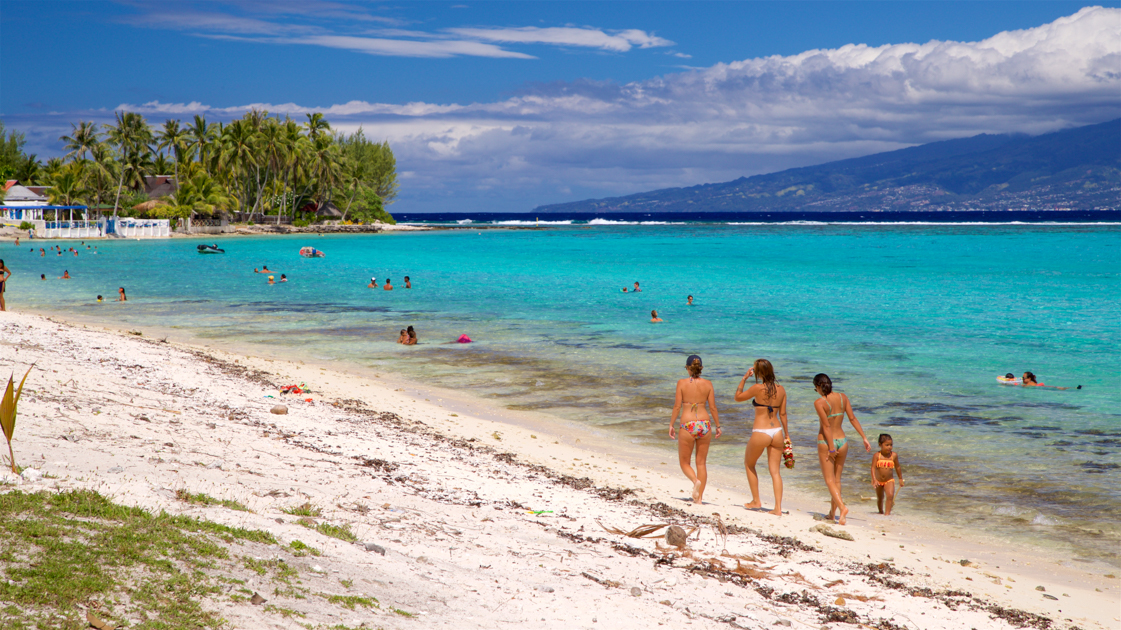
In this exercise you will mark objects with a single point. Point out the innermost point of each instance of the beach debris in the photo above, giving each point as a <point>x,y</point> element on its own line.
<point>1040,588</point>
<point>257,600</point>
<point>601,581</point>
<point>374,547</point>
<point>544,588</point>
<point>280,410</point>
<point>782,622</point>
<point>95,622</point>
<point>31,474</point>
<point>833,533</point>
<point>636,592</point>
<point>965,563</point>
<point>136,333</point>
<point>1046,596</point>
<point>840,601</point>
<point>115,469</point>
<point>8,414</point>
<point>676,536</point>
<point>643,531</point>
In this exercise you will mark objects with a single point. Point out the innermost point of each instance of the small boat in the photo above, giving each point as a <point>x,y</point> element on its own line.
<point>311,252</point>
<point>210,249</point>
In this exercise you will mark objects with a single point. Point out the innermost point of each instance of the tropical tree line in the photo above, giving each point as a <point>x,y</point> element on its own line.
<point>258,165</point>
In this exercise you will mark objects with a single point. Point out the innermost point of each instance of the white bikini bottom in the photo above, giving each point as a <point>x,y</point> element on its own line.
<point>770,432</point>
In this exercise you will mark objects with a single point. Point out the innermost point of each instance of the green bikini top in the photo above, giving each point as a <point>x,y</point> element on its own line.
<point>839,413</point>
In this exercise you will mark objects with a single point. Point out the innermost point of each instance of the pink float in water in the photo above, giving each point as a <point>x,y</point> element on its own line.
<point>464,339</point>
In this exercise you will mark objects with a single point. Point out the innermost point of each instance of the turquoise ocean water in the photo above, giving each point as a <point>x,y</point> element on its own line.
<point>913,322</point>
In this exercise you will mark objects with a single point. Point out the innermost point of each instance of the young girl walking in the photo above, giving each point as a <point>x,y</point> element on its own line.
<point>885,465</point>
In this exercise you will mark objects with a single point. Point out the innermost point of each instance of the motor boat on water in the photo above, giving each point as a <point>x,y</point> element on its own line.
<point>210,249</point>
<point>311,252</point>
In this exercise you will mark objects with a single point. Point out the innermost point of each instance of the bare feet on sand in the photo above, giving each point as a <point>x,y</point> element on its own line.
<point>844,515</point>
<point>754,505</point>
<point>776,512</point>
<point>697,492</point>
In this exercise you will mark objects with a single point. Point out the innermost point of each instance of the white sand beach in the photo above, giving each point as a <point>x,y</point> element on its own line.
<point>480,517</point>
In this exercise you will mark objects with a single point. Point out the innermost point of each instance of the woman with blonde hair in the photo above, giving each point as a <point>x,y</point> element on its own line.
<point>692,395</point>
<point>768,433</point>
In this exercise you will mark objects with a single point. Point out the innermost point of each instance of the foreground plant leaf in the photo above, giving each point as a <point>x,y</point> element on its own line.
<point>8,413</point>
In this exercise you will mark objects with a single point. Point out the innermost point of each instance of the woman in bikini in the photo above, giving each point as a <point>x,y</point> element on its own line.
<point>5,273</point>
<point>832,445</point>
<point>769,431</point>
<point>692,395</point>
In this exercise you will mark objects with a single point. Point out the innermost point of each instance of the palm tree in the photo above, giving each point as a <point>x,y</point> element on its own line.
<point>81,139</point>
<point>66,186</point>
<point>172,137</point>
<point>100,172</point>
<point>199,138</point>
<point>29,170</point>
<point>132,135</point>
<point>316,125</point>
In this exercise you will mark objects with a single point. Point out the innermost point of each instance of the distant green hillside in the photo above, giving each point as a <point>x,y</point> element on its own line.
<point>1077,169</point>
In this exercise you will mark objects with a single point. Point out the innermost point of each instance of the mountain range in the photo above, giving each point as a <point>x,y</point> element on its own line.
<point>1073,169</point>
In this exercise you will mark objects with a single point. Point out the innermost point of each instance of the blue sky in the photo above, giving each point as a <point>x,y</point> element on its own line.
<point>504,106</point>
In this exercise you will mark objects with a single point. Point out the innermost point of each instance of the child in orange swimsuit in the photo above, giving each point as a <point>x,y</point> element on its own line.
<point>885,464</point>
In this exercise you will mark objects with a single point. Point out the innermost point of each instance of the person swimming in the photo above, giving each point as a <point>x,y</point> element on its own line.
<point>412,340</point>
<point>654,319</point>
<point>388,285</point>
<point>283,278</point>
<point>121,295</point>
<point>695,399</point>
<point>408,283</point>
<point>624,289</point>
<point>271,280</point>
<point>403,338</point>
<point>1029,380</point>
<point>65,275</point>
<point>636,289</point>
<point>689,301</point>
<point>99,298</point>
<point>373,284</point>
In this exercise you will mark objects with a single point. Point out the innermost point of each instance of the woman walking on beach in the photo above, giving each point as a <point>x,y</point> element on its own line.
<point>692,395</point>
<point>5,273</point>
<point>832,445</point>
<point>769,431</point>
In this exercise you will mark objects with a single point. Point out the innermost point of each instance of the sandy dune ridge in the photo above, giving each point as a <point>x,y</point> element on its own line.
<point>480,524</point>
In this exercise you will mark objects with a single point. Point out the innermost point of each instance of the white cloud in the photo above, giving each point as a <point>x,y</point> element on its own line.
<point>409,48</point>
<point>619,41</point>
<point>568,141</point>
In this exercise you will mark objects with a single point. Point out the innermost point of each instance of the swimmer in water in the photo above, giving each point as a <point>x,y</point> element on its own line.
<point>271,281</point>
<point>1030,381</point>
<point>694,400</point>
<point>654,319</point>
<point>265,269</point>
<point>283,278</point>
<point>624,289</point>
<point>99,299</point>
<point>373,284</point>
<point>65,275</point>
<point>42,276</point>
<point>636,289</point>
<point>403,337</point>
<point>121,295</point>
<point>411,341</point>
<point>42,252</point>
<point>689,301</point>
<point>408,283</point>
<point>388,285</point>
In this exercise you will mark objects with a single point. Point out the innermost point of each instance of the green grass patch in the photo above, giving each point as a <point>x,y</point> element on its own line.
<point>306,509</point>
<point>207,500</point>
<point>346,583</point>
<point>351,601</point>
<point>283,612</point>
<point>403,613</point>
<point>299,549</point>
<point>61,550</point>
<point>342,532</point>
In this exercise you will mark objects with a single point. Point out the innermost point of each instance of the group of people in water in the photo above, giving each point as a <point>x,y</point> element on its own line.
<point>388,284</point>
<point>695,405</point>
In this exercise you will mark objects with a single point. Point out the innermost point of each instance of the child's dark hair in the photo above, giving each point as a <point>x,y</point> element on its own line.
<point>822,382</point>
<point>883,438</point>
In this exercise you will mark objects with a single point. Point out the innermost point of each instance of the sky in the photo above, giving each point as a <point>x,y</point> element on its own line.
<point>504,106</point>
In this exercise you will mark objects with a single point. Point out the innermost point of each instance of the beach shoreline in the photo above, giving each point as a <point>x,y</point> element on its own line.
<point>538,441</point>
